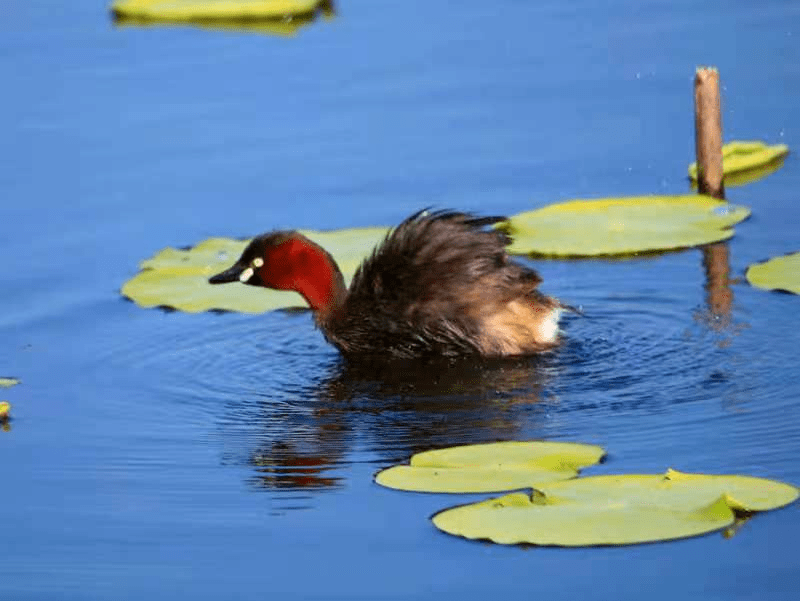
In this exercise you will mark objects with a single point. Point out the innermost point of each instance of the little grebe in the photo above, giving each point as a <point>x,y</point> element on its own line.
<point>439,284</point>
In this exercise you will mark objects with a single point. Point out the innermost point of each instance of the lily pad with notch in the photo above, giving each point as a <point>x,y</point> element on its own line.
<point>616,510</point>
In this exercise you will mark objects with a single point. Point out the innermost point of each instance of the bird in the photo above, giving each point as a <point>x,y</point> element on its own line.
<point>440,284</point>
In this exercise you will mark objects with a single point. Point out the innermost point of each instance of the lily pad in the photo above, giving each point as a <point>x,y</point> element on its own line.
<point>272,17</point>
<point>623,226</point>
<point>178,278</point>
<point>779,273</point>
<point>490,467</point>
<point>177,11</point>
<point>8,382</point>
<point>280,28</point>
<point>616,510</point>
<point>743,162</point>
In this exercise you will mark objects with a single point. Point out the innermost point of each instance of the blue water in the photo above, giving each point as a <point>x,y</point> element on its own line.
<point>166,456</point>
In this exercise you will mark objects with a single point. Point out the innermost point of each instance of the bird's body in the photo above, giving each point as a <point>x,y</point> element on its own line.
<point>441,283</point>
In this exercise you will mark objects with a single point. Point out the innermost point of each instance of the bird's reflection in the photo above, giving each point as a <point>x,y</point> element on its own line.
<point>387,411</point>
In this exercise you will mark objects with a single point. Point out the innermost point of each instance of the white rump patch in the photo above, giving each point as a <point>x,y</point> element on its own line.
<point>548,330</point>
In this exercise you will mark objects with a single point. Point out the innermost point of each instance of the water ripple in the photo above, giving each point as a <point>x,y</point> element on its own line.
<point>636,370</point>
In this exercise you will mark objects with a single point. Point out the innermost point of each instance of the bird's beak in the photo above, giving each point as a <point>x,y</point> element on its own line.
<point>232,274</point>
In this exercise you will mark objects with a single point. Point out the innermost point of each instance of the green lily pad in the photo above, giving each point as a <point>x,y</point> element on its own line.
<point>490,467</point>
<point>178,278</point>
<point>616,510</point>
<point>286,29</point>
<point>197,10</point>
<point>741,178</point>
<point>8,382</point>
<point>273,17</point>
<point>623,226</point>
<point>744,162</point>
<point>779,273</point>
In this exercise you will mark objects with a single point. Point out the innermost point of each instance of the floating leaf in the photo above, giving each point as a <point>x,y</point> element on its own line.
<point>779,273</point>
<point>193,10</point>
<point>281,17</point>
<point>741,178</point>
<point>5,408</point>
<point>8,382</point>
<point>623,226</point>
<point>490,467</point>
<point>744,162</point>
<point>616,510</point>
<point>179,278</point>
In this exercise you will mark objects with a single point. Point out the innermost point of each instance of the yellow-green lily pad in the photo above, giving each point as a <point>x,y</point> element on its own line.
<point>623,226</point>
<point>279,17</point>
<point>8,382</point>
<point>269,27</point>
<point>194,10</point>
<point>741,178</point>
<point>490,467</point>
<point>178,278</point>
<point>744,162</point>
<point>616,510</point>
<point>779,273</point>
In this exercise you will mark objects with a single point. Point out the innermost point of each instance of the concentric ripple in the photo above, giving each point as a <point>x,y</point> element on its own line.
<point>640,367</point>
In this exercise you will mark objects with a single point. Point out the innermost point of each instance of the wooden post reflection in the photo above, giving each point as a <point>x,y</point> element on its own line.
<point>719,296</point>
<point>708,147</point>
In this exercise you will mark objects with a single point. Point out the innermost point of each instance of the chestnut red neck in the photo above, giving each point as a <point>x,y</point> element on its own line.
<point>303,266</point>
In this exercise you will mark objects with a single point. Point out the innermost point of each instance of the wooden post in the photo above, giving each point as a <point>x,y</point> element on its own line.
<point>708,132</point>
<point>708,147</point>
